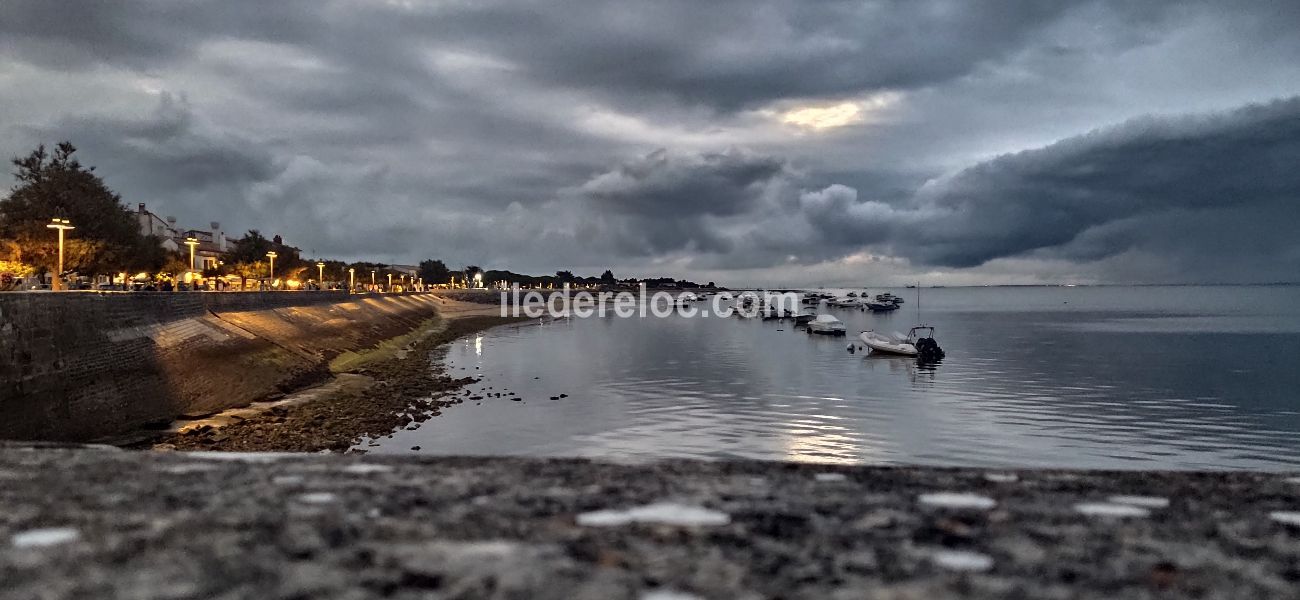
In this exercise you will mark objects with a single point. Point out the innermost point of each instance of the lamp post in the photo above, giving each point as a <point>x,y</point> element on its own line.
<point>191,242</point>
<point>62,225</point>
<point>352,280</point>
<point>478,280</point>
<point>271,255</point>
<point>320,266</point>
<point>390,282</point>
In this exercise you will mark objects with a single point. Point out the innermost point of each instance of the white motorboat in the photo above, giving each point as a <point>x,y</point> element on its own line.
<point>687,297</point>
<point>746,305</point>
<point>919,342</point>
<point>845,302</point>
<point>826,325</point>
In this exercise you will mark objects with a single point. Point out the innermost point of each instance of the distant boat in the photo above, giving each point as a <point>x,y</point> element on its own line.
<point>881,306</point>
<point>918,342</point>
<point>826,325</point>
<point>845,302</point>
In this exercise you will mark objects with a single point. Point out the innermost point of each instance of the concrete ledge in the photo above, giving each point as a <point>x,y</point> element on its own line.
<point>114,524</point>
<point>81,365</point>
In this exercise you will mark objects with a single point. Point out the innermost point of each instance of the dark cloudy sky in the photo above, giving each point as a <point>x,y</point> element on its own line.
<point>744,141</point>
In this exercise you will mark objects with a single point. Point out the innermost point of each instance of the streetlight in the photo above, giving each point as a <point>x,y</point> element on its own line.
<point>352,280</point>
<point>62,225</point>
<point>478,280</point>
<point>372,280</point>
<point>191,242</point>
<point>390,282</point>
<point>321,267</point>
<point>271,255</point>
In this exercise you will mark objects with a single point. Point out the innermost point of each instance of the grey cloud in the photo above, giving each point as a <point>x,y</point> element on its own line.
<point>662,183</point>
<point>409,129</point>
<point>1221,186</point>
<point>167,158</point>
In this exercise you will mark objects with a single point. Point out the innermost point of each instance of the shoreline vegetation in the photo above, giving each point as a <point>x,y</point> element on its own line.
<point>369,394</point>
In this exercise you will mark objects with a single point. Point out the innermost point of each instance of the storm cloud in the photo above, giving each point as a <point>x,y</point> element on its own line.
<point>1221,188</point>
<point>771,141</point>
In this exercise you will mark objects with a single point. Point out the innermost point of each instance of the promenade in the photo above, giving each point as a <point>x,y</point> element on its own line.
<point>85,522</point>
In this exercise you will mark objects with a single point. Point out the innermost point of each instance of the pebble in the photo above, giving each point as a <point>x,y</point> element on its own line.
<point>1285,517</point>
<point>44,537</point>
<point>366,469</point>
<point>662,513</point>
<point>1108,509</point>
<point>187,468</point>
<point>958,500</point>
<point>317,498</point>
<point>1143,501</point>
<point>668,595</point>
<point>962,560</point>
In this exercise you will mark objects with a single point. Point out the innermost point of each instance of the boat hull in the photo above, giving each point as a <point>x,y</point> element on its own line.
<point>884,345</point>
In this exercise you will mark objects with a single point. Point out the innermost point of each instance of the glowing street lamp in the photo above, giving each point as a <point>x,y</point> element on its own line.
<point>390,282</point>
<point>191,242</point>
<point>372,280</point>
<point>321,267</point>
<point>271,255</point>
<point>62,225</point>
<point>352,280</point>
<point>478,280</point>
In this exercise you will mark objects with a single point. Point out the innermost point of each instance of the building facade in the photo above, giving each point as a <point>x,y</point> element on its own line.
<point>211,245</point>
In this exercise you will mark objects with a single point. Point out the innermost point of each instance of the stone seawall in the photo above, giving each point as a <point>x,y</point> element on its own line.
<point>81,366</point>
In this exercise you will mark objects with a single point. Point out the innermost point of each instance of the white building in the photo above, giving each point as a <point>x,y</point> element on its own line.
<point>212,241</point>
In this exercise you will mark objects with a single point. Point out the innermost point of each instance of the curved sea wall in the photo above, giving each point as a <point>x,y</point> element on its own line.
<point>81,366</point>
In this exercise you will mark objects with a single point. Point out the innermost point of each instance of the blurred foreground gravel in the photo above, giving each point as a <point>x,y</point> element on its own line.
<point>82,522</point>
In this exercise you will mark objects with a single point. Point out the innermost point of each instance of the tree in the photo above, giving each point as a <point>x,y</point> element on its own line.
<point>56,185</point>
<point>434,272</point>
<point>247,257</point>
<point>564,276</point>
<point>607,276</point>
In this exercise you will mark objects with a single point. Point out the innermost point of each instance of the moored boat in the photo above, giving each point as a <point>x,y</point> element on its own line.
<point>826,325</point>
<point>918,342</point>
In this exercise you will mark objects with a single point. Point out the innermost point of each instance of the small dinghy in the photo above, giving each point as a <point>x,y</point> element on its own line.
<point>918,342</point>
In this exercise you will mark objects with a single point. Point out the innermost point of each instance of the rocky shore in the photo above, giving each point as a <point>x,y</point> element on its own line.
<point>105,523</point>
<point>398,388</point>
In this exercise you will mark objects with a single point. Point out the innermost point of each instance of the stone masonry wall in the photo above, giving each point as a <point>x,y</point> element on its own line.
<point>80,366</point>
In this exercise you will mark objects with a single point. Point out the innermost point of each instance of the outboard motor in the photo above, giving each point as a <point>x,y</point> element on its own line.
<point>928,350</point>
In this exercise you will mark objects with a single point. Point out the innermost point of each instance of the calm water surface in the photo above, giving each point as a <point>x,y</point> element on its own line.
<point>1095,377</point>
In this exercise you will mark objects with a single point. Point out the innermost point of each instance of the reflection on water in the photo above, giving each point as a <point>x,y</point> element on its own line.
<point>1152,377</point>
